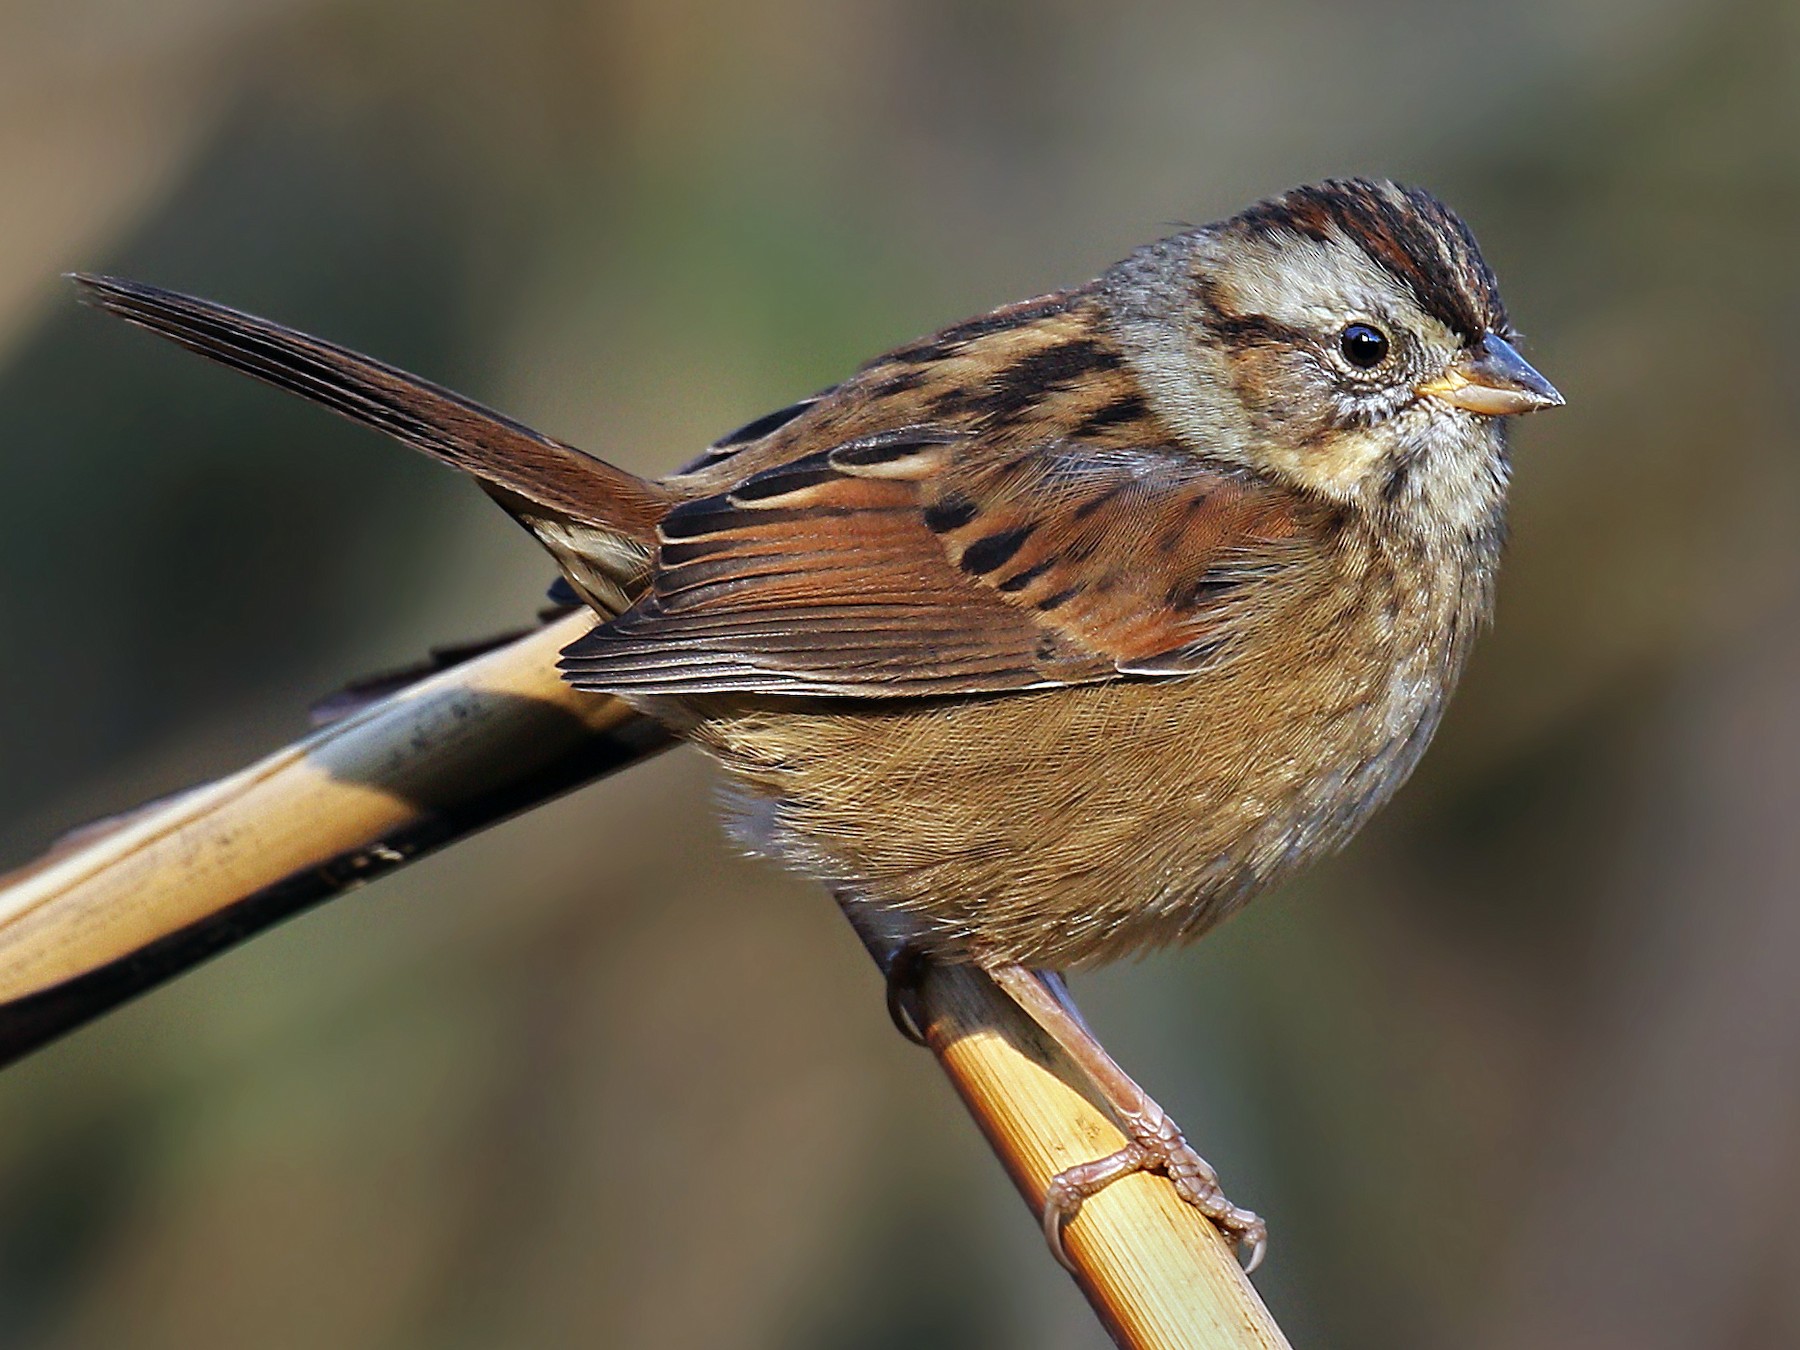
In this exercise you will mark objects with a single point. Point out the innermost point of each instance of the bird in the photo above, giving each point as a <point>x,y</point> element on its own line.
<point>1059,634</point>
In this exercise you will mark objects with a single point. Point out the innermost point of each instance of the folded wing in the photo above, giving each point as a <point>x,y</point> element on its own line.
<point>923,561</point>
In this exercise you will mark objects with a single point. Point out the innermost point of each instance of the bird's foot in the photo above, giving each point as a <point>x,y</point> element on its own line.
<point>1156,1145</point>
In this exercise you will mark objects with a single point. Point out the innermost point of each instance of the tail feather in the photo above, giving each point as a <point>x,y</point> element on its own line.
<point>576,504</point>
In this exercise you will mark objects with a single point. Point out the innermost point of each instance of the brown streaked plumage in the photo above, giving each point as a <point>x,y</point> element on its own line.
<point>1063,632</point>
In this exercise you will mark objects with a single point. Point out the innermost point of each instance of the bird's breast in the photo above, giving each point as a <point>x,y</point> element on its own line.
<point>1069,825</point>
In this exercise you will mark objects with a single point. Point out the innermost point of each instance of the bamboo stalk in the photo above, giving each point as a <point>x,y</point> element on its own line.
<point>125,907</point>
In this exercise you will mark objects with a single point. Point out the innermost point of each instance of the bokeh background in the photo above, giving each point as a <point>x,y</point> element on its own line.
<point>1521,1068</point>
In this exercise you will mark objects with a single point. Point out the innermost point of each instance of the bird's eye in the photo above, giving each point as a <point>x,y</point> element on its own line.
<point>1363,345</point>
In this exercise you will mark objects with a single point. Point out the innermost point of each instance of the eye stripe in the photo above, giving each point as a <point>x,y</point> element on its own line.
<point>1415,238</point>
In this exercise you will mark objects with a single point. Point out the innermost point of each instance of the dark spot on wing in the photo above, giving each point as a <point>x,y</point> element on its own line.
<point>1098,500</point>
<point>705,516</point>
<point>686,551</point>
<point>806,472</point>
<point>900,382</point>
<point>764,425</point>
<point>1130,408</point>
<point>993,551</point>
<point>1014,390</point>
<point>952,513</point>
<point>1062,365</point>
<point>887,448</point>
<point>1197,594</point>
<point>726,447</point>
<point>946,341</point>
<point>1018,581</point>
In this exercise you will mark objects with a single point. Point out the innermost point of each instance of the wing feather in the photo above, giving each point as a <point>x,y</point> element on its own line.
<point>924,561</point>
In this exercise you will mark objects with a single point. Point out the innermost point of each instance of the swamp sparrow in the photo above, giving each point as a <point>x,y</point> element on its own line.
<point>1060,633</point>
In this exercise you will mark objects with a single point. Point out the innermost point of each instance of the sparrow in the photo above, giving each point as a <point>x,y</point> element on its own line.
<point>1062,632</point>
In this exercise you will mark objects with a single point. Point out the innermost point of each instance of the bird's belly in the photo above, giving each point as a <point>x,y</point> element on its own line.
<point>1070,825</point>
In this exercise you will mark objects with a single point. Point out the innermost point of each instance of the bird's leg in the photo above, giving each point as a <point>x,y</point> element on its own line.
<point>1156,1143</point>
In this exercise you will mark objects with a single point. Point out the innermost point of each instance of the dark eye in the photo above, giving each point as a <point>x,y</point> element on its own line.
<point>1363,346</point>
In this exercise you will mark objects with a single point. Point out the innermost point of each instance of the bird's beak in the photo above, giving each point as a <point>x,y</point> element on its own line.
<point>1492,378</point>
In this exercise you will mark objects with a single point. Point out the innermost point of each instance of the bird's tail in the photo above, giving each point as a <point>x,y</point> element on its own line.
<point>598,521</point>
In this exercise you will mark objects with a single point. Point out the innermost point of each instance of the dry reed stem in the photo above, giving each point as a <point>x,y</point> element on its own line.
<point>124,906</point>
<point>126,903</point>
<point>1155,1271</point>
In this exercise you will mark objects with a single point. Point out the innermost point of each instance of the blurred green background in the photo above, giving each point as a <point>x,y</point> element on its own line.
<point>1521,1068</point>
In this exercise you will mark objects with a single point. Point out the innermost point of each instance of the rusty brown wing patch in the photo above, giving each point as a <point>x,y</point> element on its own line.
<point>923,561</point>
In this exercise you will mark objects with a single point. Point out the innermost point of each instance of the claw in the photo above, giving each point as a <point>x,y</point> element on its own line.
<point>1258,1243</point>
<point>1068,1188</point>
<point>904,974</point>
<point>1159,1148</point>
<point>1155,1142</point>
<point>1056,1214</point>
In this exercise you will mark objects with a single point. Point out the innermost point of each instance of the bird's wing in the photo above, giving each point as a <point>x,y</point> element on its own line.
<point>928,561</point>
